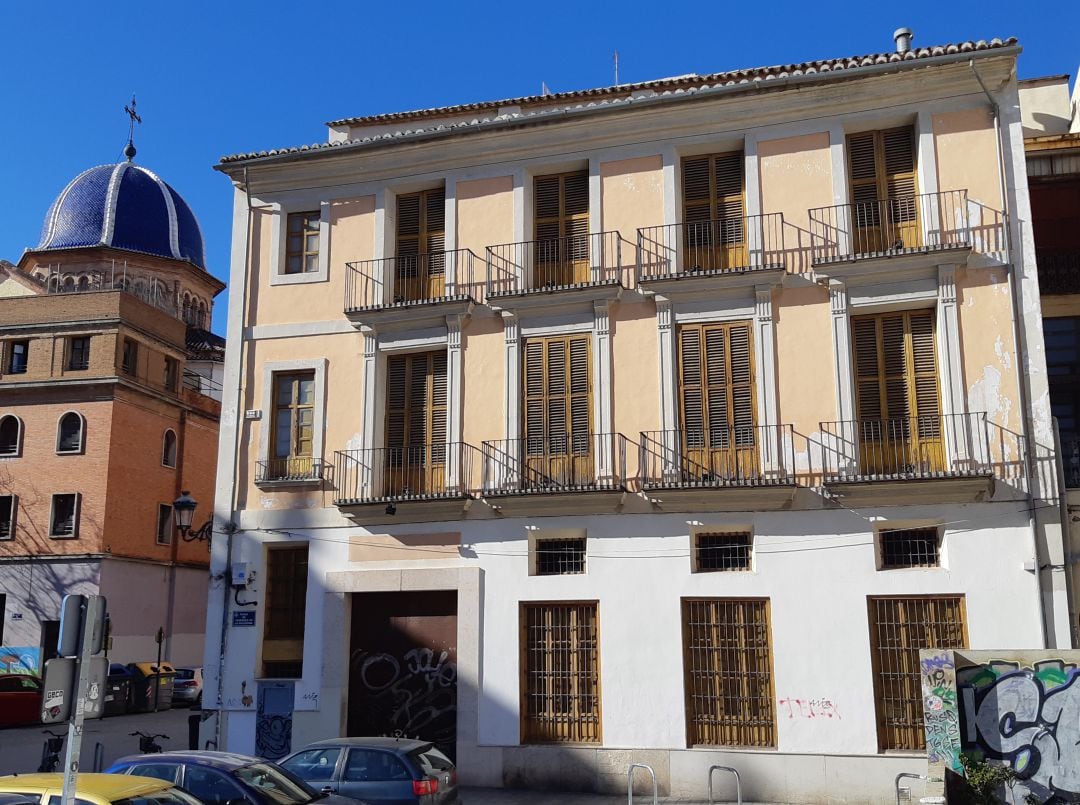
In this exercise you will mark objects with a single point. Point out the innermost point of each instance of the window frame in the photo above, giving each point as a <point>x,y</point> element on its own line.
<point>885,530</point>
<point>537,549</point>
<point>266,443</point>
<point>294,407</point>
<point>165,526</point>
<point>17,452</point>
<point>171,374</point>
<point>9,357</point>
<point>12,523</point>
<point>165,462</point>
<point>81,449</point>
<point>75,515</point>
<point>279,242</point>
<point>84,364</point>
<point>308,222</point>
<point>697,548</point>
<point>129,367</point>
<point>294,609</point>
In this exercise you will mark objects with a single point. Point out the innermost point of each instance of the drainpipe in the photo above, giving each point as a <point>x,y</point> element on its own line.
<point>1021,346</point>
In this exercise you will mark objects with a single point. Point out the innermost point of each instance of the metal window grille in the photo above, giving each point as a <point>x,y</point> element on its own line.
<point>727,551</point>
<point>909,547</point>
<point>286,573</point>
<point>728,662</point>
<point>556,557</point>
<point>899,627</point>
<point>561,690</point>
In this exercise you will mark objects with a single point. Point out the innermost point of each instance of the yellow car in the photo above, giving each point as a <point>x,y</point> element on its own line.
<point>97,789</point>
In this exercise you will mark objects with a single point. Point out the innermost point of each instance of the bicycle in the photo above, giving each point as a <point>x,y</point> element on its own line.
<point>147,744</point>
<point>50,752</point>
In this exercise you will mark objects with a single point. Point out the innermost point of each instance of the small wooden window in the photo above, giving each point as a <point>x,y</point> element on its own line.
<point>558,408</point>
<point>168,448</point>
<point>416,410</point>
<point>722,551</point>
<point>909,547</point>
<point>561,669</point>
<point>9,505</point>
<point>294,424</point>
<point>79,353</point>
<point>727,658</point>
<point>559,556</point>
<point>420,268</point>
<point>169,374</point>
<point>18,353</point>
<point>899,628</point>
<point>286,602</point>
<point>302,242</point>
<point>129,363</point>
<point>10,435</point>
<point>884,189</point>
<point>164,524</point>
<point>70,433</point>
<point>64,517</point>
<point>561,209</point>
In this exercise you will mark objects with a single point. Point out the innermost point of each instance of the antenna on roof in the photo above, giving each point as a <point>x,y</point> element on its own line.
<point>129,152</point>
<point>544,88</point>
<point>616,68</point>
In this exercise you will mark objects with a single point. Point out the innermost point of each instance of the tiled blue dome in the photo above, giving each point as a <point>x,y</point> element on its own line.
<point>127,207</point>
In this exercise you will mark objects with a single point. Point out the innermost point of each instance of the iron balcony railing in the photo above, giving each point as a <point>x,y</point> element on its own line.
<point>1059,271</point>
<point>931,446</point>
<point>743,243</point>
<point>890,226</point>
<point>418,472</point>
<point>554,263</point>
<point>555,463</point>
<point>291,468</point>
<point>412,279</point>
<point>760,455</point>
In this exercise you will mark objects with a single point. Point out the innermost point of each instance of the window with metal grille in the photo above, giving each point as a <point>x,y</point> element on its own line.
<point>899,627</point>
<point>302,242</point>
<point>561,673</point>
<point>909,547</point>
<point>727,658</point>
<point>286,596</point>
<point>556,557</point>
<point>8,507</point>
<point>64,517</point>
<point>79,353</point>
<point>722,551</point>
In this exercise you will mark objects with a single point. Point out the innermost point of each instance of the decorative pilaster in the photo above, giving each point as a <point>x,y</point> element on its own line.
<point>454,399</point>
<point>371,400</point>
<point>765,366</point>
<point>950,368</point>
<point>845,381</point>
<point>603,412</point>
<point>669,395</point>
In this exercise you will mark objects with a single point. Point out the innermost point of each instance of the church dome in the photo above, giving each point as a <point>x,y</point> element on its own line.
<point>127,207</point>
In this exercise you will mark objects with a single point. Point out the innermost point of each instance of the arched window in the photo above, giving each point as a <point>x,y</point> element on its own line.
<point>202,315</point>
<point>69,283</point>
<point>187,309</point>
<point>84,283</point>
<point>168,448</point>
<point>71,433</point>
<point>10,435</point>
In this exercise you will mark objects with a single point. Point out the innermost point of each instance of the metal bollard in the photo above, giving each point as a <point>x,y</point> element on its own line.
<point>738,782</point>
<point>99,757</point>
<point>630,782</point>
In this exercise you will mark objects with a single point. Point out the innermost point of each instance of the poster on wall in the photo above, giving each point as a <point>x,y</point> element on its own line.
<point>20,660</point>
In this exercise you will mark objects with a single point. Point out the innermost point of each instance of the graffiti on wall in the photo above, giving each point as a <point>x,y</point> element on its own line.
<point>940,714</point>
<point>1028,717</point>
<point>808,708</point>
<point>273,720</point>
<point>20,659</point>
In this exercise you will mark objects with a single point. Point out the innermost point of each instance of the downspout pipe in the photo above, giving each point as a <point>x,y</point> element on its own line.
<point>1021,346</point>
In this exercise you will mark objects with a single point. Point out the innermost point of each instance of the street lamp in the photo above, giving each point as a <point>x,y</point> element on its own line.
<point>184,513</point>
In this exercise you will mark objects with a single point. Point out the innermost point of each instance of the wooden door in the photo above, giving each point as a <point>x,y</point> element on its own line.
<point>420,268</point>
<point>415,461</point>
<point>558,412</point>
<point>884,190</point>
<point>717,405</point>
<point>562,229</point>
<point>714,233</point>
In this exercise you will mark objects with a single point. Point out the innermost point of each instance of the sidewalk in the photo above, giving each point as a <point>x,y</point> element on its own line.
<point>500,796</point>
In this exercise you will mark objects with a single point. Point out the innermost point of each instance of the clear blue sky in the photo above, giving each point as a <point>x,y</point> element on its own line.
<point>214,78</point>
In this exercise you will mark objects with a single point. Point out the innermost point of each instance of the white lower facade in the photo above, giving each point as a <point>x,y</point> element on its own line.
<point>817,569</point>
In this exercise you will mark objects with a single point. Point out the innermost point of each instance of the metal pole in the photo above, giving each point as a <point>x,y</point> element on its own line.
<point>738,782</point>
<point>630,782</point>
<point>157,682</point>
<point>910,776</point>
<point>75,727</point>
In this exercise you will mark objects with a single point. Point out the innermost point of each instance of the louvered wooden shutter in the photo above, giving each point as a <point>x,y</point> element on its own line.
<point>408,225</point>
<point>438,406</point>
<point>717,383</point>
<point>713,188</point>
<point>558,394</point>
<point>416,400</point>
<point>896,366</point>
<point>421,225</point>
<point>580,395</point>
<point>881,165</point>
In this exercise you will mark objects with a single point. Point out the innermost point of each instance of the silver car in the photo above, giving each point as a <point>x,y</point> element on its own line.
<point>188,685</point>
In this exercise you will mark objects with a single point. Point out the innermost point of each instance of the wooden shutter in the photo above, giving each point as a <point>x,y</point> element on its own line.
<point>561,211</point>
<point>884,189</point>
<point>713,210</point>
<point>416,404</point>
<point>558,394</point>
<point>421,244</point>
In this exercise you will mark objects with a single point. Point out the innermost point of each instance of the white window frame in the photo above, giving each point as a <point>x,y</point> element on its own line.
<point>278,234</point>
<point>176,448</point>
<point>13,520</point>
<point>18,437</point>
<point>75,516</point>
<point>170,527</point>
<point>82,435</point>
<point>272,368</point>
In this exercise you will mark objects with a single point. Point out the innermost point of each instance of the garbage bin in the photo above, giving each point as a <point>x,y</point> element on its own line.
<point>153,686</point>
<point>118,690</point>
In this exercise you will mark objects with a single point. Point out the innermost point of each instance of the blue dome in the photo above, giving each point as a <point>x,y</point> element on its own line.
<point>124,206</point>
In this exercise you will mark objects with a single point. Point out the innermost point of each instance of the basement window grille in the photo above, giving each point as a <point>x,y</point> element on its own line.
<point>726,551</point>
<point>558,557</point>
<point>909,547</point>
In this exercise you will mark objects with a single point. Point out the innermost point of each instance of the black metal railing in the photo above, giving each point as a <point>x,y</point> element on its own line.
<point>554,263</point>
<point>1059,271</point>
<point>412,279</point>
<point>555,463</point>
<point>291,468</point>
<point>202,384</point>
<point>890,226</point>
<point>933,446</point>
<point>419,472</point>
<point>743,243</point>
<point>759,455</point>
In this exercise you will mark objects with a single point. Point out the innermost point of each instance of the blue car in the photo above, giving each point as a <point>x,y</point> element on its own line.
<point>382,771</point>
<point>224,778</point>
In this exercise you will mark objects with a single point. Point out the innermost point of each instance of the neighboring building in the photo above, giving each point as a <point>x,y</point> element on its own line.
<point>662,422</point>
<point>102,423</point>
<point>1051,120</point>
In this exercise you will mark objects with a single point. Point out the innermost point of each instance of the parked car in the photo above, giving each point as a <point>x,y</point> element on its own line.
<point>187,688</point>
<point>20,699</point>
<point>20,799</point>
<point>391,771</point>
<point>96,789</point>
<point>219,778</point>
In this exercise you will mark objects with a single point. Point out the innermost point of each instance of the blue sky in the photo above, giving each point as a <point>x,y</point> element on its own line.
<point>214,78</point>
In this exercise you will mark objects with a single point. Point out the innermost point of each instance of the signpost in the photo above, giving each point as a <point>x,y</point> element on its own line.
<point>80,679</point>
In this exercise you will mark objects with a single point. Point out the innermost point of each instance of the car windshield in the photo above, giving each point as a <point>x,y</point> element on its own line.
<point>276,784</point>
<point>185,673</point>
<point>171,796</point>
<point>432,760</point>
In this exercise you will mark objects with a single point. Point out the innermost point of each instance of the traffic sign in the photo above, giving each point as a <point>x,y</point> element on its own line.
<point>58,700</point>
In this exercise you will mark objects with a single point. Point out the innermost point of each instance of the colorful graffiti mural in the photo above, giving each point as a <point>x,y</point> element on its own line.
<point>1022,711</point>
<point>20,659</point>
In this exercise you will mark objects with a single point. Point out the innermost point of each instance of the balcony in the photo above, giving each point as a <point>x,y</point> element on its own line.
<point>720,469</point>
<point>577,267</point>
<point>289,471</point>
<point>518,471</point>
<point>393,288</point>
<point>420,483</point>
<point>928,459</point>
<point>1059,272</point>
<point>699,255</point>
<point>893,228</point>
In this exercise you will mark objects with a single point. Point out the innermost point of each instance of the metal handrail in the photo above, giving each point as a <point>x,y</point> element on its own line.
<point>554,263</point>
<point>555,463</point>
<point>416,472</point>
<point>411,279</point>
<point>756,455</point>
<point>290,468</point>
<point>738,782</point>
<point>909,775</point>
<point>630,783</point>
<point>722,245</point>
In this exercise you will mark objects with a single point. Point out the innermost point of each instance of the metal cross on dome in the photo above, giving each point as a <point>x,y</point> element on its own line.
<point>129,152</point>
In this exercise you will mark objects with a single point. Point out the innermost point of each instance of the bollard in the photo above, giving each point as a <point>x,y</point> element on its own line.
<point>193,722</point>
<point>630,782</point>
<point>99,757</point>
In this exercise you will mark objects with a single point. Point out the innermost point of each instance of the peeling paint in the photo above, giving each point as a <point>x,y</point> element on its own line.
<point>985,395</point>
<point>266,502</point>
<point>1003,354</point>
